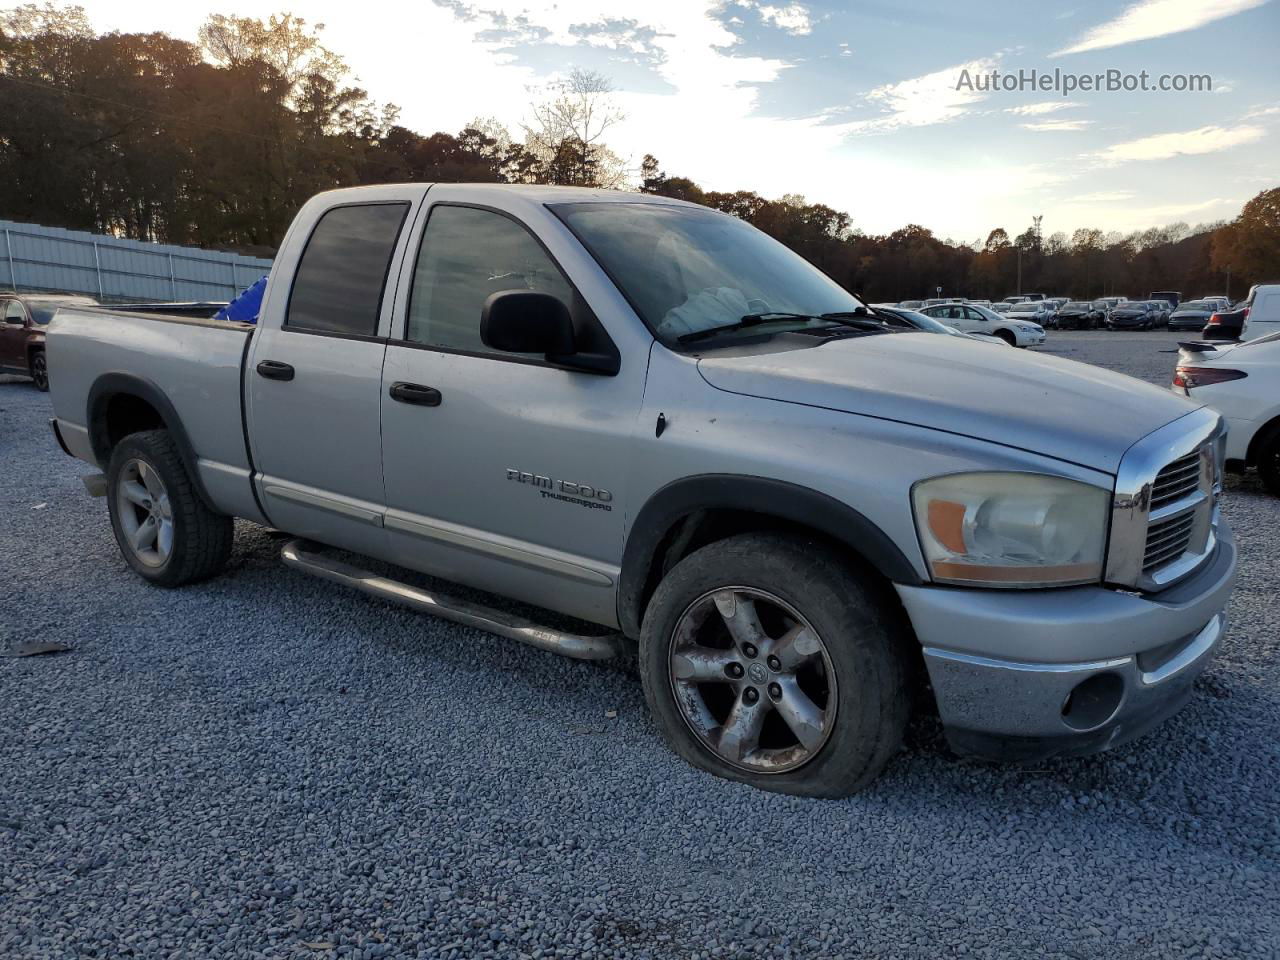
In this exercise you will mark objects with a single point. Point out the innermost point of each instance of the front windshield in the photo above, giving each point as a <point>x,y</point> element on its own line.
<point>688,269</point>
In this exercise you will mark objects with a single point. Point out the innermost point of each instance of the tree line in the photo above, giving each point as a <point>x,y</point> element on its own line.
<point>217,143</point>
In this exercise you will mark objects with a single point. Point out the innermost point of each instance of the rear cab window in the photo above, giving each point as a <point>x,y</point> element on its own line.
<point>339,283</point>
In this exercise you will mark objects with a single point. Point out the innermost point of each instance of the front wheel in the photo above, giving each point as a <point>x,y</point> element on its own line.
<point>765,660</point>
<point>39,371</point>
<point>1007,337</point>
<point>164,530</point>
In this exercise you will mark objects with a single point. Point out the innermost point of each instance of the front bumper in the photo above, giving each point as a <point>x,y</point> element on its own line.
<point>1032,674</point>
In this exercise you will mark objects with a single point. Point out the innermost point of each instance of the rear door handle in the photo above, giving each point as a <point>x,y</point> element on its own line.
<point>275,370</point>
<point>415,393</point>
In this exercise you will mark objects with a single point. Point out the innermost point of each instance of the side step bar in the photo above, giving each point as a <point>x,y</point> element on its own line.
<point>310,557</point>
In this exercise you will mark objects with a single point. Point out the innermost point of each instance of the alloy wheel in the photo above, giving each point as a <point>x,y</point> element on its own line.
<point>146,515</point>
<point>39,372</point>
<point>753,680</point>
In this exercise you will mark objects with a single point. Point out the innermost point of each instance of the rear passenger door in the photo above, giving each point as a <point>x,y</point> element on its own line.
<point>313,377</point>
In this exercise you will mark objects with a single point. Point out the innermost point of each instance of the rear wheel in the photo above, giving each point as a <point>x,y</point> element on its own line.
<point>765,660</point>
<point>39,371</point>
<point>164,530</point>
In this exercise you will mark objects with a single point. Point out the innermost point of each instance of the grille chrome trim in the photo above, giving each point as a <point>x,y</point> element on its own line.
<point>1153,496</point>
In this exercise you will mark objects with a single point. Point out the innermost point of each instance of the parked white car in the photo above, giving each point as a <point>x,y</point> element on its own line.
<point>971,318</point>
<point>1242,382</point>
<point>915,320</point>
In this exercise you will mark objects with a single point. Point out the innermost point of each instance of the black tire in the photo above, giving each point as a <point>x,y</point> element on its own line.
<point>865,642</point>
<point>1268,461</point>
<point>201,539</point>
<point>39,371</point>
<point>1007,337</point>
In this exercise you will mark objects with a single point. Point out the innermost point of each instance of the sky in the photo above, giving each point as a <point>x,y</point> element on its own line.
<point>879,111</point>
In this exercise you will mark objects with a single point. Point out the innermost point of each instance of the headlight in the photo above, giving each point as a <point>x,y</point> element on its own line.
<point>1011,529</point>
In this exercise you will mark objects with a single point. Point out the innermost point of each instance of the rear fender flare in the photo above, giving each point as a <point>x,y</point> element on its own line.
<point>111,385</point>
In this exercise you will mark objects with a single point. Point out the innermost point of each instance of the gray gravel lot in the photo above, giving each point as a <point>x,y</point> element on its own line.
<point>268,766</point>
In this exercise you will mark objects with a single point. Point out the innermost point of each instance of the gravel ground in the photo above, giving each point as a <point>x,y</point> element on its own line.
<point>267,766</point>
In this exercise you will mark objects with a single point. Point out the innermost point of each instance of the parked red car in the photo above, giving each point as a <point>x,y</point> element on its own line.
<point>25,317</point>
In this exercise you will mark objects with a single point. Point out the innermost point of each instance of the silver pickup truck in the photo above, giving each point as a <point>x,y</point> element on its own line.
<point>648,416</point>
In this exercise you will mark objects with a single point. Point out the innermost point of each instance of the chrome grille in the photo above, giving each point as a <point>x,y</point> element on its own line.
<point>1176,480</point>
<point>1164,511</point>
<point>1168,540</point>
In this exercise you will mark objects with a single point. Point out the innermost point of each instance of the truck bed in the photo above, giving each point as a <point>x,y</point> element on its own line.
<point>197,364</point>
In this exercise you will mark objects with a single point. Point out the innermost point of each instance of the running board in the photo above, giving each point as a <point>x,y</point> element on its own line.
<point>310,557</point>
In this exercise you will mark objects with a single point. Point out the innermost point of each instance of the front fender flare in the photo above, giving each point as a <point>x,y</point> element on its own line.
<point>770,498</point>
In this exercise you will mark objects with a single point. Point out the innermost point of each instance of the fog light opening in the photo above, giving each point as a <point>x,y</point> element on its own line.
<point>1093,701</point>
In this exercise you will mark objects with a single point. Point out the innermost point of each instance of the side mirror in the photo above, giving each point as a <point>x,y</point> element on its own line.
<point>16,321</point>
<point>526,321</point>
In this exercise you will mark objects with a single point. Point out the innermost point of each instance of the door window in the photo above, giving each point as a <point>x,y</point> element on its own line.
<point>339,281</point>
<point>466,255</point>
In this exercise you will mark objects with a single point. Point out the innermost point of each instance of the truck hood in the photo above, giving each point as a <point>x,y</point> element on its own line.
<point>1048,405</point>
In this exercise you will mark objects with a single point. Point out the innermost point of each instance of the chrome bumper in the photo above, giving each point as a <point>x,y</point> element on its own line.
<point>1039,673</point>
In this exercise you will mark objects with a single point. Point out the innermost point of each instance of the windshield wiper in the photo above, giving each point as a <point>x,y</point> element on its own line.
<point>858,319</point>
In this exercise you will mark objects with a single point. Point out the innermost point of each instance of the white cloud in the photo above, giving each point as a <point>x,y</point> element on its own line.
<point>1162,146</point>
<point>1043,107</point>
<point>1107,212</point>
<point>1049,126</point>
<point>924,101</point>
<point>1156,18</point>
<point>793,18</point>
<point>1104,196</point>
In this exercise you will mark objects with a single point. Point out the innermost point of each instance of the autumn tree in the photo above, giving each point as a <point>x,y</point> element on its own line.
<point>567,131</point>
<point>1249,246</point>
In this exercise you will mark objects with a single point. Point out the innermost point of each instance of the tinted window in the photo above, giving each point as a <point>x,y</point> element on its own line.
<point>339,282</point>
<point>468,254</point>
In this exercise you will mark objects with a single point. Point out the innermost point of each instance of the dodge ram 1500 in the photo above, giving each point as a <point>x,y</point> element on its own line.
<point>648,415</point>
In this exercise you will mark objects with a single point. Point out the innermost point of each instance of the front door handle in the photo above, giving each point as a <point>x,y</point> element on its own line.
<point>415,393</point>
<point>275,370</point>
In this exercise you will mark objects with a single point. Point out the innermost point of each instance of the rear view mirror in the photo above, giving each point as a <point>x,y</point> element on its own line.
<point>526,321</point>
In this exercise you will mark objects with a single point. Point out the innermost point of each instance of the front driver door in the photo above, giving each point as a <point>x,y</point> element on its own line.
<point>510,474</point>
